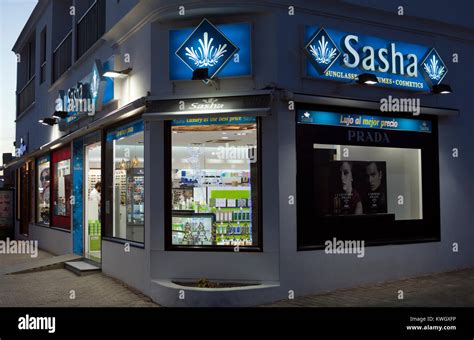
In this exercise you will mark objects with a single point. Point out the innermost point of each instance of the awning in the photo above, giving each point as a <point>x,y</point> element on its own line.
<point>362,104</point>
<point>257,103</point>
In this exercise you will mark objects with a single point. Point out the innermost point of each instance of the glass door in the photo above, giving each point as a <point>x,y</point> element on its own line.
<point>92,199</point>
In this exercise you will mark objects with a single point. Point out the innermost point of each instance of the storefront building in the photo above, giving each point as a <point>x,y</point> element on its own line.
<point>234,141</point>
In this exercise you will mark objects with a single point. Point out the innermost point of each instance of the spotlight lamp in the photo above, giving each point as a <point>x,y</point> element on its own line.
<point>201,74</point>
<point>48,121</point>
<point>117,74</point>
<point>60,114</point>
<point>367,79</point>
<point>441,89</point>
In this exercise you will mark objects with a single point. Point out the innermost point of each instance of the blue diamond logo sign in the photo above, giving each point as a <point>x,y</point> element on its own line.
<point>433,67</point>
<point>207,47</point>
<point>322,51</point>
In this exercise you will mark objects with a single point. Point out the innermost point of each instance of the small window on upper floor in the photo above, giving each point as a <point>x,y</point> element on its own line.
<point>90,25</point>
<point>43,55</point>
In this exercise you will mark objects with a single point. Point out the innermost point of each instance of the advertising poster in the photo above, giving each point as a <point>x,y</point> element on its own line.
<point>358,187</point>
<point>6,209</point>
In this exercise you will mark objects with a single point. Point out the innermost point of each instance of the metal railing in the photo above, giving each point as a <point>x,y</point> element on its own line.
<point>62,56</point>
<point>26,96</point>
<point>90,27</point>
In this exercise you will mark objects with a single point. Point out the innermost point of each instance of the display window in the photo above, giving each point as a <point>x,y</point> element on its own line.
<point>61,188</point>
<point>366,176</point>
<point>213,184</point>
<point>125,183</point>
<point>43,192</point>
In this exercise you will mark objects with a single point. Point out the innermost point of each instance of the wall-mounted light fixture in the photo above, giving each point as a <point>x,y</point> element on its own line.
<point>201,74</point>
<point>441,89</point>
<point>367,79</point>
<point>48,121</point>
<point>117,74</point>
<point>60,114</point>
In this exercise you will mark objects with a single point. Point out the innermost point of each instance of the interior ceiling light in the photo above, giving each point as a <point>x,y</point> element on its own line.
<point>367,79</point>
<point>442,89</point>
<point>117,74</point>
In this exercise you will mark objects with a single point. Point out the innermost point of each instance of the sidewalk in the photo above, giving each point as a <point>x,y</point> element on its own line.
<point>53,288</point>
<point>451,289</point>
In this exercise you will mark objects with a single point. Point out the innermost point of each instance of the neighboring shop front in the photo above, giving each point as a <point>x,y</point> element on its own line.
<point>65,176</point>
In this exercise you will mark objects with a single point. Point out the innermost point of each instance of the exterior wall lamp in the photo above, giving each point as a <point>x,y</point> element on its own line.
<point>201,74</point>
<point>367,79</point>
<point>48,121</point>
<point>60,114</point>
<point>441,89</point>
<point>117,74</point>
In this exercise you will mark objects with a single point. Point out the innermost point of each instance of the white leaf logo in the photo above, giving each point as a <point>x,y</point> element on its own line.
<point>434,70</point>
<point>322,54</point>
<point>206,55</point>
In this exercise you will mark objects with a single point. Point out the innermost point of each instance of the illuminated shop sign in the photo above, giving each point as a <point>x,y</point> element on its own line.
<point>344,56</point>
<point>125,131</point>
<point>213,121</point>
<point>363,121</point>
<point>89,95</point>
<point>225,50</point>
<point>22,148</point>
<point>257,103</point>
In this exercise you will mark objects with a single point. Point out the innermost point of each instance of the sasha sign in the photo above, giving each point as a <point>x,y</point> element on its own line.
<point>344,56</point>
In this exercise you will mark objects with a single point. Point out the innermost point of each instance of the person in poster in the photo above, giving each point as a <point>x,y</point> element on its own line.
<point>347,202</point>
<point>44,195</point>
<point>375,200</point>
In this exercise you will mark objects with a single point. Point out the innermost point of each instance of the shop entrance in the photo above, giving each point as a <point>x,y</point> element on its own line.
<point>92,202</point>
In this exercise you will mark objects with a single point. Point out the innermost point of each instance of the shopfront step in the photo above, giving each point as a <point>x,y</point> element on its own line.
<point>39,265</point>
<point>81,268</point>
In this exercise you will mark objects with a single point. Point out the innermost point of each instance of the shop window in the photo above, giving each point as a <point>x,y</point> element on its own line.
<point>43,191</point>
<point>125,187</point>
<point>366,177</point>
<point>213,198</point>
<point>368,181</point>
<point>61,188</point>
